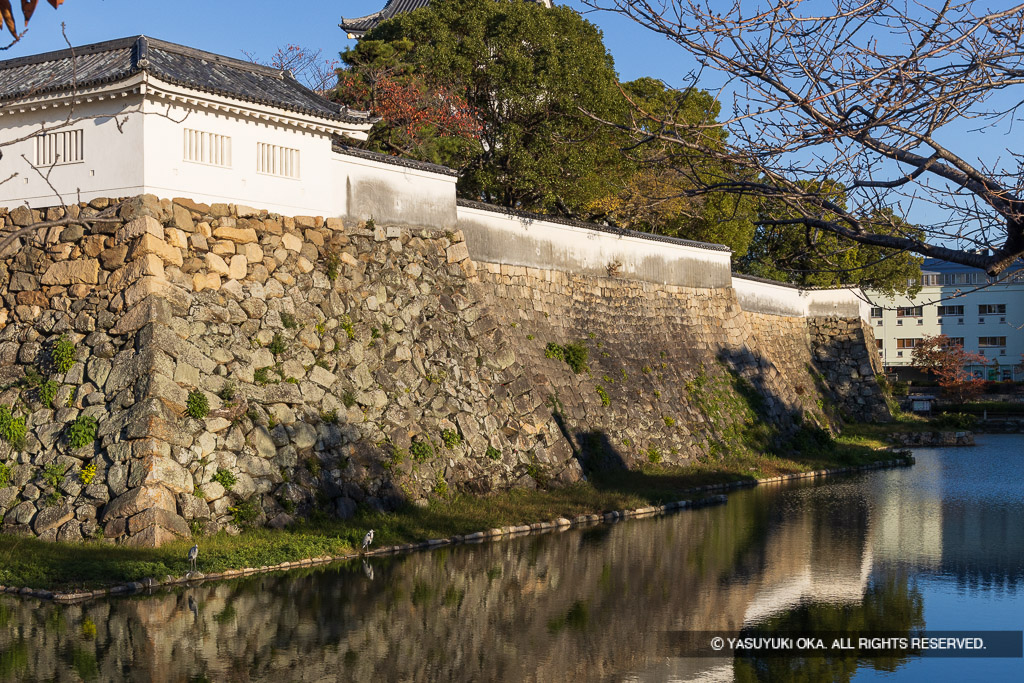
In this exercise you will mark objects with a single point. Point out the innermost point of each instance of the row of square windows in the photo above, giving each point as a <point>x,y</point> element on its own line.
<point>983,342</point>
<point>68,147</point>
<point>918,311</point>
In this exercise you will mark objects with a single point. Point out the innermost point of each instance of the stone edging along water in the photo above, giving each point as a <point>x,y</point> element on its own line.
<point>559,524</point>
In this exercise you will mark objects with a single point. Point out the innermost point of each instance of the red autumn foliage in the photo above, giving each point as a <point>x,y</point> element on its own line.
<point>948,362</point>
<point>414,111</point>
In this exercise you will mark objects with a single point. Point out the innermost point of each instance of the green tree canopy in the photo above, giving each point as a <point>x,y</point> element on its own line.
<point>804,255</point>
<point>525,72</point>
<point>660,194</point>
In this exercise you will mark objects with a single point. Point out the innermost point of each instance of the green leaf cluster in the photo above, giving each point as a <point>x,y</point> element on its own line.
<point>12,429</point>
<point>82,431</point>
<point>63,354</point>
<point>197,406</point>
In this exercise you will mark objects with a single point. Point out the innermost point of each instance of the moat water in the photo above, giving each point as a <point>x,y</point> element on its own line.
<point>938,546</point>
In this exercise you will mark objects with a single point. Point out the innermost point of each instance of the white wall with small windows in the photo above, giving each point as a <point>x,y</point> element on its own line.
<point>88,153</point>
<point>216,157</point>
<point>984,315</point>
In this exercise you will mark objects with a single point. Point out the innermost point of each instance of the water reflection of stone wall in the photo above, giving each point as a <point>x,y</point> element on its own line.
<point>584,604</point>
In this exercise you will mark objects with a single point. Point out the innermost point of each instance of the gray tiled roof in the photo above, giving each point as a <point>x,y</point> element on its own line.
<point>361,25</point>
<point>115,60</point>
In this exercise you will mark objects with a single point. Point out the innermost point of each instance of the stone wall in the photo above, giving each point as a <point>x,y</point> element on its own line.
<point>359,364</point>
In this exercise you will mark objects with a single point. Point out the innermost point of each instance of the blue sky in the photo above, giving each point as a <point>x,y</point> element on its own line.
<point>230,26</point>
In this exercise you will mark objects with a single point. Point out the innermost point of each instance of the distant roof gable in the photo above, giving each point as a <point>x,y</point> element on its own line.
<point>361,25</point>
<point>115,60</point>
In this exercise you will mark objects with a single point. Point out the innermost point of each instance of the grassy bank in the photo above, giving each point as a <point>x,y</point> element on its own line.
<point>29,562</point>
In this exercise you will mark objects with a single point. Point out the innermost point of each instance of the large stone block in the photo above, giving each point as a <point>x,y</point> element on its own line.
<point>147,264</point>
<point>83,271</point>
<point>151,244</point>
<point>52,517</point>
<point>139,500</point>
<point>158,517</point>
<point>151,537</point>
<point>152,309</point>
<point>137,227</point>
<point>154,471</point>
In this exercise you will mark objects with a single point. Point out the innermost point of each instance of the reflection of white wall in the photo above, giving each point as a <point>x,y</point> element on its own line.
<point>814,582</point>
<point>908,521</point>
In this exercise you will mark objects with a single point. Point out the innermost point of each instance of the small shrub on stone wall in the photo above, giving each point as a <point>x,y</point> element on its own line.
<point>227,392</point>
<point>493,453</point>
<point>348,399</point>
<point>277,346</point>
<point>605,398</point>
<point>53,474</point>
<point>553,350</point>
<point>63,354</point>
<point>225,478</point>
<point>262,376</point>
<point>48,392</point>
<point>313,465</point>
<point>451,438</point>
<point>288,320</point>
<point>12,429</point>
<point>198,406</point>
<point>574,354</point>
<point>245,512</point>
<point>5,475</point>
<point>421,450</point>
<point>346,324</point>
<point>653,455</point>
<point>333,266</point>
<point>440,486</point>
<point>82,431</point>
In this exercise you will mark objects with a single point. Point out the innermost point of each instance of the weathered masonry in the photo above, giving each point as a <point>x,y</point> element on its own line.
<point>360,337</point>
<point>348,364</point>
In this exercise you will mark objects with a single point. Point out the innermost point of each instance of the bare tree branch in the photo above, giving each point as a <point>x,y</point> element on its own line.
<point>869,95</point>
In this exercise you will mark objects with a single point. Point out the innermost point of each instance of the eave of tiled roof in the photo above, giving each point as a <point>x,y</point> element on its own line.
<point>112,61</point>
<point>341,148</point>
<point>361,25</point>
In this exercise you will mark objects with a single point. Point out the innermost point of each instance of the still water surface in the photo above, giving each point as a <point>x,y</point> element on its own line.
<point>937,546</point>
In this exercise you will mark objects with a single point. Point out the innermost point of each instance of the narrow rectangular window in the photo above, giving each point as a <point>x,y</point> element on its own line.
<point>207,148</point>
<point>992,309</point>
<point>277,160</point>
<point>910,312</point>
<point>876,312</point>
<point>991,341</point>
<point>907,343</point>
<point>951,310</point>
<point>60,147</point>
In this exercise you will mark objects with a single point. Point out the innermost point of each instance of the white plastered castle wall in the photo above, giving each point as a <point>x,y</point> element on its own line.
<point>112,161</point>
<point>308,188</point>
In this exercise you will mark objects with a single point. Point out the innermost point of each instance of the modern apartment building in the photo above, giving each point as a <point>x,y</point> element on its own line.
<point>984,314</point>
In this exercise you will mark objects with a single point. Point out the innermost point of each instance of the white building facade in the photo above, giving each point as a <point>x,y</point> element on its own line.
<point>984,315</point>
<point>142,116</point>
